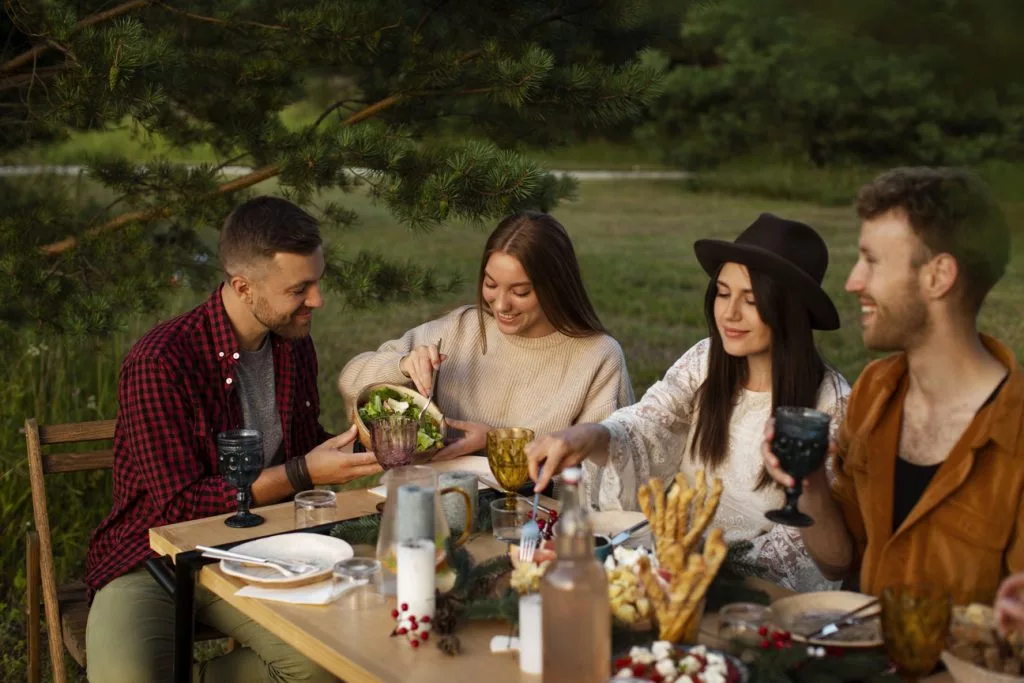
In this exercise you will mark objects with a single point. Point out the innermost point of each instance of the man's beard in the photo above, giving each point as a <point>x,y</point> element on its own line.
<point>283,325</point>
<point>896,328</point>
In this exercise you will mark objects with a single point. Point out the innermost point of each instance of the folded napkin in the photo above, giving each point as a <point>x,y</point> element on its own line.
<point>319,593</point>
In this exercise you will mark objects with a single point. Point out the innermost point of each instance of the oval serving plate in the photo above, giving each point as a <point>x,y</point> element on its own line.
<point>806,612</point>
<point>316,549</point>
<point>611,522</point>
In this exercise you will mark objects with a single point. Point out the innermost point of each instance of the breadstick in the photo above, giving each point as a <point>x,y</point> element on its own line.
<point>685,498</point>
<point>700,484</point>
<point>672,511</point>
<point>658,494</point>
<point>704,516</point>
<point>643,496</point>
<point>654,591</point>
<point>682,591</point>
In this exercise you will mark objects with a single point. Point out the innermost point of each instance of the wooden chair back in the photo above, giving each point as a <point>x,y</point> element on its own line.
<point>66,607</point>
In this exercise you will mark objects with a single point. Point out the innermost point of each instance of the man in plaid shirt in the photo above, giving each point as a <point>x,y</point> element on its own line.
<point>242,358</point>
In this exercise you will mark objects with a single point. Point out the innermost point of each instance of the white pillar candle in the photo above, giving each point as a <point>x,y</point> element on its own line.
<point>417,577</point>
<point>531,639</point>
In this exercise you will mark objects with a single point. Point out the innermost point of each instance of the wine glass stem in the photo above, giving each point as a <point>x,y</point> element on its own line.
<point>243,500</point>
<point>793,496</point>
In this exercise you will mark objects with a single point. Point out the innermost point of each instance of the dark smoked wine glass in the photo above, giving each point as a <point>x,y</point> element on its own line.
<point>800,444</point>
<point>240,461</point>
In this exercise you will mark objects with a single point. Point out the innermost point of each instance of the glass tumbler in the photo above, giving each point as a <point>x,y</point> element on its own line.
<point>363,581</point>
<point>314,507</point>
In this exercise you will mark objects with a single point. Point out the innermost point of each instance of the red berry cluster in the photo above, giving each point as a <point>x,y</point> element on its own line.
<point>546,526</point>
<point>774,640</point>
<point>416,629</point>
<point>781,640</point>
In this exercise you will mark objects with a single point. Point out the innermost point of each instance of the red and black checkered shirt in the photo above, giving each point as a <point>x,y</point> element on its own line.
<point>177,390</point>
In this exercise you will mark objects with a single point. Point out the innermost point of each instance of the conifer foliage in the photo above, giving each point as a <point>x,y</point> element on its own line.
<point>433,104</point>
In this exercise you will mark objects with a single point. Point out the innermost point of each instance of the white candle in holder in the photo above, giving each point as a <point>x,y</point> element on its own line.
<point>531,641</point>
<point>417,577</point>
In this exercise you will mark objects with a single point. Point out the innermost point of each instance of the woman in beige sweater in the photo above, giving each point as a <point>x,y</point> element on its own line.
<point>530,353</point>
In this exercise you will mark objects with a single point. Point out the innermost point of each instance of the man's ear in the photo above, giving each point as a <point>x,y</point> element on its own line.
<point>940,276</point>
<point>242,288</point>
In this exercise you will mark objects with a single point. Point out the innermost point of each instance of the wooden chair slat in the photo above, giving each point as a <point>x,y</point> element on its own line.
<point>73,619</point>
<point>98,430</point>
<point>78,462</point>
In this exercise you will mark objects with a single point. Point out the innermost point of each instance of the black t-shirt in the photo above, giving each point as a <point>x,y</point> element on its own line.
<point>912,480</point>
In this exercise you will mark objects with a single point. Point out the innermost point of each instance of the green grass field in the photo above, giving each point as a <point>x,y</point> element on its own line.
<point>634,241</point>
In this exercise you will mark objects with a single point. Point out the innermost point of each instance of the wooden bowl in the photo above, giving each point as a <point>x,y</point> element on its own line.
<point>412,396</point>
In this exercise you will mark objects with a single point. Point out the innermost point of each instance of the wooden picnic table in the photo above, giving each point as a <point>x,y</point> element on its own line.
<point>354,645</point>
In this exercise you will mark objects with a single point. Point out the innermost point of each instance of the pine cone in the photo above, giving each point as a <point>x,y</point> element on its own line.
<point>449,645</point>
<point>445,615</point>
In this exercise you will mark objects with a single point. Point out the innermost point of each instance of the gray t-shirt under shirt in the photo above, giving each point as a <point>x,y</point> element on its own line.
<point>257,393</point>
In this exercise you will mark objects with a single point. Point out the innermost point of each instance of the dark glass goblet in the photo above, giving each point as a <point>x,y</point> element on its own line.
<point>800,444</point>
<point>240,461</point>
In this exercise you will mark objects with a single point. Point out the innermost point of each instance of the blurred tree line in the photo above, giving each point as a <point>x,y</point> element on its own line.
<point>836,82</point>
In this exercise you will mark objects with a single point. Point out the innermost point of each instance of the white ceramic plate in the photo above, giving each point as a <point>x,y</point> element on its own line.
<point>476,464</point>
<point>316,549</point>
<point>611,522</point>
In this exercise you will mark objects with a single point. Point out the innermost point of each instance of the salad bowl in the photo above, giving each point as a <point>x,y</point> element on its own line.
<point>381,400</point>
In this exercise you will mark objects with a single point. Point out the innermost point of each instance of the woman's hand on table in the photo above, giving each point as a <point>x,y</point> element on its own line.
<point>567,448</point>
<point>419,365</point>
<point>473,440</point>
<point>1009,605</point>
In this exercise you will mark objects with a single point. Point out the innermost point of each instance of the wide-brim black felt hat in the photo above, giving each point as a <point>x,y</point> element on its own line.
<point>789,251</point>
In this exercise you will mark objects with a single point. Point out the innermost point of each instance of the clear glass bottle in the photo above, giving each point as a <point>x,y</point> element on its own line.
<point>576,617</point>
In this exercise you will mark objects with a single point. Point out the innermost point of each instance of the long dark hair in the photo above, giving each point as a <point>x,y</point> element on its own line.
<point>542,245</point>
<point>797,367</point>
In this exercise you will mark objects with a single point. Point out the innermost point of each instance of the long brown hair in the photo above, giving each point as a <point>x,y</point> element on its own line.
<point>542,245</point>
<point>797,367</point>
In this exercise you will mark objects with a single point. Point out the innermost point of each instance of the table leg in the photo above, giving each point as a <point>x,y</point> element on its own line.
<point>184,616</point>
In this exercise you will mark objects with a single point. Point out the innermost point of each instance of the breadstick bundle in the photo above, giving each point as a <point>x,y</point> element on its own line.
<point>678,521</point>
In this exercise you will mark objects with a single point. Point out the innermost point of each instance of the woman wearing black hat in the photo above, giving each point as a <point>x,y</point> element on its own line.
<point>762,305</point>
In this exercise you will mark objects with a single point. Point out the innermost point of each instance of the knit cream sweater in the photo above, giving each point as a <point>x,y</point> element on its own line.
<point>544,384</point>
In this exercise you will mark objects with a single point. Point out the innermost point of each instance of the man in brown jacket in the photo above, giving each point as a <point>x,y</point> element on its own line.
<point>929,466</point>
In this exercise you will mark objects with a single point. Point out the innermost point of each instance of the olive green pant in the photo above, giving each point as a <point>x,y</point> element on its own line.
<point>130,639</point>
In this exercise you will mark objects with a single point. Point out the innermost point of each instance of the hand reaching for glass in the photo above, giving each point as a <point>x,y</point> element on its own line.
<point>567,448</point>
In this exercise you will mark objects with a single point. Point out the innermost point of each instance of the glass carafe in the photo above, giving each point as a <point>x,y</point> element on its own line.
<point>393,523</point>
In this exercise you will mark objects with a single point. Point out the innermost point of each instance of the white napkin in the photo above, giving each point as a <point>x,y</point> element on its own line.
<point>319,593</point>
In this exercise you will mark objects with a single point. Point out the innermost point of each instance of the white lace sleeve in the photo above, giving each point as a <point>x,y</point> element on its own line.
<point>648,439</point>
<point>832,398</point>
<point>780,554</point>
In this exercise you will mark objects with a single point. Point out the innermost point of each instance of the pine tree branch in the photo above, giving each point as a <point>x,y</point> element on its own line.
<point>222,22</point>
<point>334,107</point>
<point>11,82</point>
<point>240,183</point>
<point>98,18</point>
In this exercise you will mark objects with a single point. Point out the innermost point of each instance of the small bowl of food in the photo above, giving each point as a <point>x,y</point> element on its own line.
<point>977,653</point>
<point>385,401</point>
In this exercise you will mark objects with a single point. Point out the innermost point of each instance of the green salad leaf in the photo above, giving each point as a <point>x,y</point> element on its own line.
<point>386,401</point>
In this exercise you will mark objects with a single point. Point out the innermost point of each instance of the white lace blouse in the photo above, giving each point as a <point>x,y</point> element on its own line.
<point>652,439</point>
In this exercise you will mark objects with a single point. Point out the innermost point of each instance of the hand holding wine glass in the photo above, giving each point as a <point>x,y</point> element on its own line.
<point>797,448</point>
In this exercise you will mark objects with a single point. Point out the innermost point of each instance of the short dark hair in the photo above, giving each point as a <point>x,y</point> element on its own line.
<point>543,247</point>
<point>952,211</point>
<point>262,227</point>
